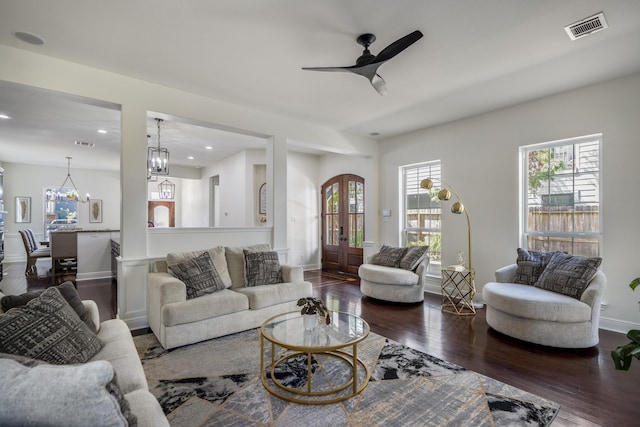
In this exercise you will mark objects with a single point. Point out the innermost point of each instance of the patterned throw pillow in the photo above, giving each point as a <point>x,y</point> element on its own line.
<point>67,290</point>
<point>568,274</point>
<point>390,256</point>
<point>81,395</point>
<point>262,268</point>
<point>413,257</point>
<point>48,329</point>
<point>531,264</point>
<point>199,275</point>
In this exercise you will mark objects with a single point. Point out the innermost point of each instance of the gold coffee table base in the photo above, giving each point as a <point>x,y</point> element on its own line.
<point>306,395</point>
<point>330,344</point>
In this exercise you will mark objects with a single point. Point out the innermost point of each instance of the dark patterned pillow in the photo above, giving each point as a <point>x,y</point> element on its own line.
<point>262,268</point>
<point>390,257</point>
<point>67,290</point>
<point>199,275</point>
<point>413,257</point>
<point>568,274</point>
<point>531,264</point>
<point>48,329</point>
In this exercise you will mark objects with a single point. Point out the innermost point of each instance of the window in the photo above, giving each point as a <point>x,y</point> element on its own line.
<point>422,211</point>
<point>561,196</point>
<point>61,209</point>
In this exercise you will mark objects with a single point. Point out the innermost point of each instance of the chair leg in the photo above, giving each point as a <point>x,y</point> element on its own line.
<point>31,267</point>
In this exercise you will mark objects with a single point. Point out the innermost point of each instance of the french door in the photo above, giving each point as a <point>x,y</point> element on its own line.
<point>342,223</point>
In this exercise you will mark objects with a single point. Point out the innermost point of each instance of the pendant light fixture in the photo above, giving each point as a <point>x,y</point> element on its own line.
<point>157,157</point>
<point>150,175</point>
<point>167,189</point>
<point>67,194</point>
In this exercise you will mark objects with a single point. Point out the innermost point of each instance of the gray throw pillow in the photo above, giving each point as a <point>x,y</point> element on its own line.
<point>568,274</point>
<point>390,256</point>
<point>413,256</point>
<point>262,268</point>
<point>72,395</point>
<point>48,329</point>
<point>67,290</point>
<point>199,275</point>
<point>531,264</point>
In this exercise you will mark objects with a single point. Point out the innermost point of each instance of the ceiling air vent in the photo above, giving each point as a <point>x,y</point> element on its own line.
<point>586,26</point>
<point>85,144</point>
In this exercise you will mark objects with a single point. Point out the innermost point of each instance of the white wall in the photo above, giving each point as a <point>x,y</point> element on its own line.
<point>303,199</point>
<point>480,160</point>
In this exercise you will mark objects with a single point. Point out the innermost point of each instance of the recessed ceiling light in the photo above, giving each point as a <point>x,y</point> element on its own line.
<point>29,38</point>
<point>190,157</point>
<point>102,131</point>
<point>4,116</point>
<point>375,134</point>
<point>208,147</point>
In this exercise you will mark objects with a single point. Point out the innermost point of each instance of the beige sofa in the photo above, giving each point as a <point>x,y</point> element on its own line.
<point>178,321</point>
<point>543,317</point>
<point>119,350</point>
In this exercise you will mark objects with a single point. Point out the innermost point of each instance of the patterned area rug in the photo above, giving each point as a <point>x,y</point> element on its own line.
<point>217,383</point>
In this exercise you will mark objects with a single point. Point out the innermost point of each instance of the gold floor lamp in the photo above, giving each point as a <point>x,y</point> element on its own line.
<point>456,208</point>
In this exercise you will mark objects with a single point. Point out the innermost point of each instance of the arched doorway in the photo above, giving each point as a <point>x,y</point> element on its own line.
<point>342,223</point>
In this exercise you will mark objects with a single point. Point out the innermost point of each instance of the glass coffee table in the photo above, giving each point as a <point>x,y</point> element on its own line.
<point>314,366</point>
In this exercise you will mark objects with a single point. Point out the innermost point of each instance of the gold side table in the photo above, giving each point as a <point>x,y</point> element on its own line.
<point>458,289</point>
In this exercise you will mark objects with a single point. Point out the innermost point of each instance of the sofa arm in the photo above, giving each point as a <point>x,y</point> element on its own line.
<point>162,289</point>
<point>292,273</point>
<point>592,295</point>
<point>506,274</point>
<point>93,310</point>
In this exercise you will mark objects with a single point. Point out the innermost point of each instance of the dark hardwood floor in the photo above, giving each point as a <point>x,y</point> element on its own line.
<point>584,382</point>
<point>590,391</point>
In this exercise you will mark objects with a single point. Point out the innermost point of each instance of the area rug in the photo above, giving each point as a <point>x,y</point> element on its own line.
<point>217,383</point>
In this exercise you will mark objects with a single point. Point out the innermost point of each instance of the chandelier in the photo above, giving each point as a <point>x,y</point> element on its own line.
<point>157,158</point>
<point>67,194</point>
<point>167,189</point>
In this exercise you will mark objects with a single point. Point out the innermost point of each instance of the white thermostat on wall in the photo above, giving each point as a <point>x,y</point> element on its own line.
<point>386,213</point>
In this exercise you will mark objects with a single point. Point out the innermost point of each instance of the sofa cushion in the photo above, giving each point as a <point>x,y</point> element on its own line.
<point>205,307</point>
<point>217,257</point>
<point>529,302</point>
<point>531,264</point>
<point>120,351</point>
<point>387,275</point>
<point>235,262</point>
<point>48,329</point>
<point>67,290</point>
<point>413,257</point>
<point>568,274</point>
<point>390,256</point>
<point>266,296</point>
<point>199,275</point>
<point>262,268</point>
<point>74,395</point>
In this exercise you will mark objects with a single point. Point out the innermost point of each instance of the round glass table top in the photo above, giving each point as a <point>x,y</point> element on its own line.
<point>288,330</point>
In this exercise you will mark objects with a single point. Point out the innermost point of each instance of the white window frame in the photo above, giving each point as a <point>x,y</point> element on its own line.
<point>525,233</point>
<point>436,227</point>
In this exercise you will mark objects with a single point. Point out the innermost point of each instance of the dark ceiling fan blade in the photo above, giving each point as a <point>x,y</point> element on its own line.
<point>345,69</point>
<point>398,46</point>
<point>379,85</point>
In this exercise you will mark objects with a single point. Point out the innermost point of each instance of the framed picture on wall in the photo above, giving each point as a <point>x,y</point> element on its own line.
<point>23,209</point>
<point>95,210</point>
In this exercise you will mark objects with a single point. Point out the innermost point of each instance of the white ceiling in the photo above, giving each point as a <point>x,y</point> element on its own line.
<point>475,56</point>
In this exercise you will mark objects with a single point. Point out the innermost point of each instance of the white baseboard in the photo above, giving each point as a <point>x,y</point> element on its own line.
<point>616,325</point>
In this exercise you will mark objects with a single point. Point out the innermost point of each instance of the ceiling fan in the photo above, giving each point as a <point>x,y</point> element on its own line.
<point>367,64</point>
